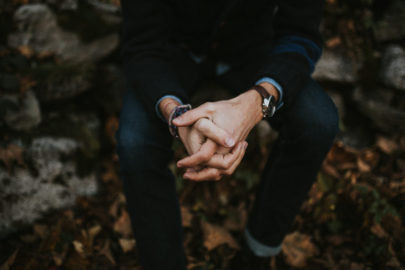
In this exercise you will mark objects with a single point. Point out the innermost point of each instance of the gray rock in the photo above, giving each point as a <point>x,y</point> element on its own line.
<point>37,29</point>
<point>339,102</point>
<point>391,27</point>
<point>392,72</point>
<point>378,106</point>
<point>337,67</point>
<point>25,197</point>
<point>65,4</point>
<point>27,114</point>
<point>62,88</point>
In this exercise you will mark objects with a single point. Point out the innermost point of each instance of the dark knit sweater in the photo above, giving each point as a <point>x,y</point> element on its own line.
<point>224,30</point>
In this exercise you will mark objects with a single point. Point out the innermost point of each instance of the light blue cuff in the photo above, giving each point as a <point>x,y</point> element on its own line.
<point>277,86</point>
<point>259,249</point>
<point>160,100</point>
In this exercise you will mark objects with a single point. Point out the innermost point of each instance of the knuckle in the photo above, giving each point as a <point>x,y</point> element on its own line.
<point>205,156</point>
<point>209,106</point>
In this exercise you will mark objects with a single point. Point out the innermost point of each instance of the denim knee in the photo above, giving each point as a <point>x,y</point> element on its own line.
<point>314,116</point>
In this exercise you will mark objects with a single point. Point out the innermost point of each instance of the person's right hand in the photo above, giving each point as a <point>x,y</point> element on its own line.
<point>217,151</point>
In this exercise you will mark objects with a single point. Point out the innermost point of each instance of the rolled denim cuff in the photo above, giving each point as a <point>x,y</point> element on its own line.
<point>278,88</point>
<point>159,114</point>
<point>259,249</point>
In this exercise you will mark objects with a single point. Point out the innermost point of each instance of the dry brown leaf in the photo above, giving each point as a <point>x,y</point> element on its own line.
<point>109,172</point>
<point>92,233</point>
<point>6,265</point>
<point>26,51</point>
<point>356,266</point>
<point>333,42</point>
<point>378,230</point>
<point>127,244</point>
<point>363,166</point>
<point>215,236</point>
<point>386,145</point>
<point>11,154</point>
<point>186,216</point>
<point>78,247</point>
<point>115,205</point>
<point>298,248</point>
<point>106,251</point>
<point>59,258</point>
<point>123,225</point>
<point>41,230</point>
<point>25,84</point>
<point>237,219</point>
<point>111,127</point>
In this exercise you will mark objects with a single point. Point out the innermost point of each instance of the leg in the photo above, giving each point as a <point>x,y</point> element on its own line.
<point>307,130</point>
<point>144,150</point>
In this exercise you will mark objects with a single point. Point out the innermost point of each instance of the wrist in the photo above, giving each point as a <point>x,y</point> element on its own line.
<point>166,106</point>
<point>253,101</point>
<point>270,89</point>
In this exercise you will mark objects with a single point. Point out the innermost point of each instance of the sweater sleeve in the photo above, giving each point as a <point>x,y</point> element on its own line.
<point>297,47</point>
<point>147,52</point>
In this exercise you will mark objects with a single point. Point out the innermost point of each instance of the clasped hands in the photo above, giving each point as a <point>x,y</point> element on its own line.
<point>214,135</point>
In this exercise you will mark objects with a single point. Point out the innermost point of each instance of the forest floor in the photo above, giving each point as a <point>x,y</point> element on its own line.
<point>352,219</point>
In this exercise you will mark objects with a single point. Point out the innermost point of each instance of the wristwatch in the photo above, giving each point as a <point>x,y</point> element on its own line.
<point>269,102</point>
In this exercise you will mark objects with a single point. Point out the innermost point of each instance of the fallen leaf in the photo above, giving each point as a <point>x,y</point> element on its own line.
<point>78,247</point>
<point>6,265</point>
<point>363,166</point>
<point>123,225</point>
<point>378,230</point>
<point>92,233</point>
<point>386,145</point>
<point>109,173</point>
<point>26,51</point>
<point>356,266</point>
<point>111,127</point>
<point>333,42</point>
<point>215,236</point>
<point>236,220</point>
<point>127,244</point>
<point>106,251</point>
<point>41,230</point>
<point>186,216</point>
<point>298,248</point>
<point>12,153</point>
<point>115,205</point>
<point>59,258</point>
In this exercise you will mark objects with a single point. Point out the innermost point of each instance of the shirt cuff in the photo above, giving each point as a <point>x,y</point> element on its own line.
<point>278,87</point>
<point>159,114</point>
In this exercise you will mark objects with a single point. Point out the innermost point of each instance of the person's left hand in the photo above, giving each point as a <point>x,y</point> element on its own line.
<point>236,116</point>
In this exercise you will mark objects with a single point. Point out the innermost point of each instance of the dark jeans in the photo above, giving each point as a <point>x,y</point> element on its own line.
<point>307,129</point>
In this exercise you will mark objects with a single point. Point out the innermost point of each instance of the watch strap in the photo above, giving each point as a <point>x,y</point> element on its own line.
<point>261,90</point>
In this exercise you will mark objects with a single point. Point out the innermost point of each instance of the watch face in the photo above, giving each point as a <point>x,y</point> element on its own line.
<point>269,107</point>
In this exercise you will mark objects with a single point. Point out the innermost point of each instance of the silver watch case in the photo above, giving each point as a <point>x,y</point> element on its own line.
<point>269,106</point>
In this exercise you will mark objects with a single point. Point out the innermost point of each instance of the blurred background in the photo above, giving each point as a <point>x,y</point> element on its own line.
<point>61,203</point>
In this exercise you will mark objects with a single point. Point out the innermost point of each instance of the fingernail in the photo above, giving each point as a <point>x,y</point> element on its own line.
<point>229,142</point>
<point>245,146</point>
<point>179,165</point>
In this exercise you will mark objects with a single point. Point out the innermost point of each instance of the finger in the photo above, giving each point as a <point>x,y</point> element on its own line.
<point>190,117</point>
<point>205,153</point>
<point>215,133</point>
<point>207,174</point>
<point>233,167</point>
<point>225,161</point>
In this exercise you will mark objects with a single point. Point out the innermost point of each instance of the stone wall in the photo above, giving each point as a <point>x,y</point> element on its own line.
<point>60,80</point>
